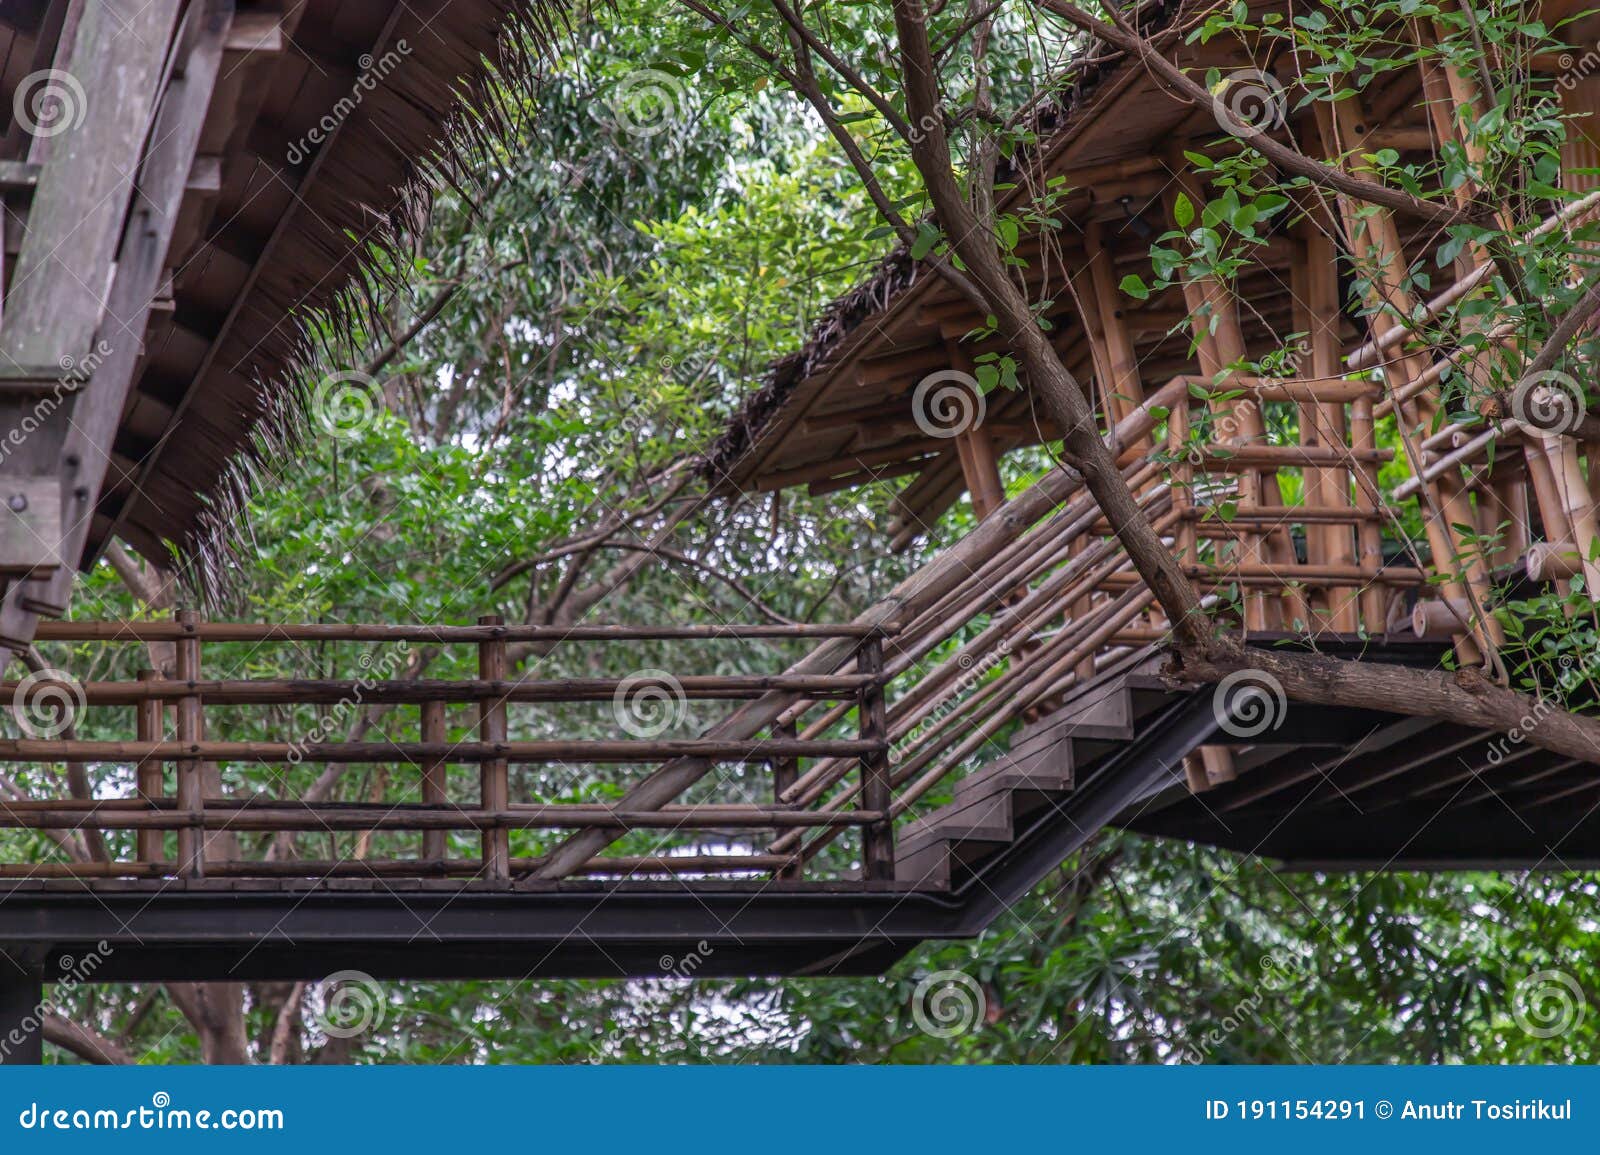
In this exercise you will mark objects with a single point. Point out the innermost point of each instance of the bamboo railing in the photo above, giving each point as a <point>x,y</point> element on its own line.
<point>176,818</point>
<point>868,730</point>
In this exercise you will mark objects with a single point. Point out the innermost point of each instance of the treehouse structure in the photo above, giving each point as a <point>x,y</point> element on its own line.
<point>894,779</point>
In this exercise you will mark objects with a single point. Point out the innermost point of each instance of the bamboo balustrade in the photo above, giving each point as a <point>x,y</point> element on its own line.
<point>1280,532</point>
<point>171,814</point>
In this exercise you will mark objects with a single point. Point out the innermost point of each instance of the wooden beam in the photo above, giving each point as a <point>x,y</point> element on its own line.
<point>162,177</point>
<point>56,301</point>
<point>257,33</point>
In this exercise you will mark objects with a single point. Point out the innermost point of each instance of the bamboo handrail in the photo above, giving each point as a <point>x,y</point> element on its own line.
<point>159,631</point>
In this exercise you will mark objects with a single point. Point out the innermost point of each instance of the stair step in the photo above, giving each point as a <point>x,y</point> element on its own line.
<point>1103,712</point>
<point>988,808</point>
<point>983,820</point>
<point>1043,780</point>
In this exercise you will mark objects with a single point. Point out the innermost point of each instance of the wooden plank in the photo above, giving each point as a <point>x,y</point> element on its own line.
<point>141,258</point>
<point>57,293</point>
<point>877,791</point>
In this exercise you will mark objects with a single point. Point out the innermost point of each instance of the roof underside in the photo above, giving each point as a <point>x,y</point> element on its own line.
<point>275,225</point>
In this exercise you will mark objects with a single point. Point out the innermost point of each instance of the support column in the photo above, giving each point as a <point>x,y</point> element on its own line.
<point>21,998</point>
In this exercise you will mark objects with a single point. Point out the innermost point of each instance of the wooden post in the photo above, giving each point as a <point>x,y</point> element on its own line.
<point>21,997</point>
<point>494,785</point>
<point>975,448</point>
<point>1122,388</point>
<point>147,719</point>
<point>1374,243</point>
<point>1335,543</point>
<point>69,250</point>
<point>785,773</point>
<point>141,262</point>
<point>981,470</point>
<point>191,728</point>
<point>434,771</point>
<point>1219,343</point>
<point>877,792</point>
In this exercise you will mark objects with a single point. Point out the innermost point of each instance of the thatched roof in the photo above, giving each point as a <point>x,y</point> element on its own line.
<point>839,412</point>
<point>332,119</point>
<point>727,460</point>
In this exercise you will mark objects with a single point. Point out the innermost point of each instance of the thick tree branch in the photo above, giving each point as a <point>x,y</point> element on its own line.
<point>1082,444</point>
<point>90,1046</point>
<point>1465,697</point>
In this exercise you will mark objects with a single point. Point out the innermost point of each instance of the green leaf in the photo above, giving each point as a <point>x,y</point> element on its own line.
<point>1183,211</point>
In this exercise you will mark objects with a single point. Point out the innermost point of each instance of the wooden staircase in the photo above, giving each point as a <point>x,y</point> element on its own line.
<point>995,805</point>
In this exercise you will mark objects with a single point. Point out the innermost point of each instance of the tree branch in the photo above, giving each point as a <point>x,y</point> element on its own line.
<point>1326,176</point>
<point>90,1046</point>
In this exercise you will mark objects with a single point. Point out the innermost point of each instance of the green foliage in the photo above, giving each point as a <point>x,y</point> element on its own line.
<point>610,299</point>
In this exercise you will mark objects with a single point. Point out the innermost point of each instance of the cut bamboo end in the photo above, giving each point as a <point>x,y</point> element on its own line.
<point>1549,561</point>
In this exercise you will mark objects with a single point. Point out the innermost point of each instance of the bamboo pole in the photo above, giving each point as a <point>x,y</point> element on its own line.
<point>921,589</point>
<point>147,720</point>
<point>191,729</point>
<point>434,775</point>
